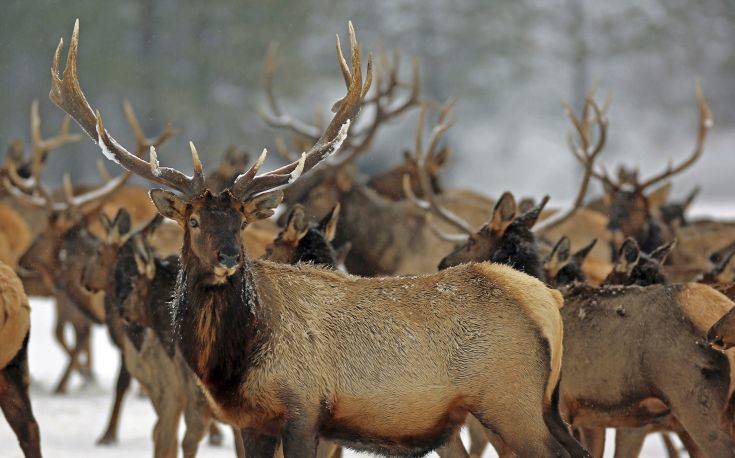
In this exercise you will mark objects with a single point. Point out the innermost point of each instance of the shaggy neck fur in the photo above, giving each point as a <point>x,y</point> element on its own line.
<point>216,326</point>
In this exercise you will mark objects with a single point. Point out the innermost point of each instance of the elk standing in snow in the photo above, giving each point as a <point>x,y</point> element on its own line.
<point>294,353</point>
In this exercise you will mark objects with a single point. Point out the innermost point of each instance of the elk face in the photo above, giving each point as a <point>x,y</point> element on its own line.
<point>301,241</point>
<point>213,227</point>
<point>481,244</point>
<point>563,268</point>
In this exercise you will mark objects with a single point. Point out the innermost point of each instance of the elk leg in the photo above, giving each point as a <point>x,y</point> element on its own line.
<point>501,448</point>
<point>73,362</point>
<point>594,439</point>
<point>524,432</point>
<point>215,435</point>
<point>239,445</point>
<point>327,449</point>
<point>299,438</point>
<point>197,423</point>
<point>478,437</point>
<point>699,411</point>
<point>629,442</point>
<point>86,368</point>
<point>691,447</point>
<point>453,448</point>
<point>166,431</point>
<point>121,388</point>
<point>59,334</point>
<point>669,445</point>
<point>16,405</point>
<point>258,445</point>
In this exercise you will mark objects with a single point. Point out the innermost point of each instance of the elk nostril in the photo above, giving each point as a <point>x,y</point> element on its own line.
<point>229,259</point>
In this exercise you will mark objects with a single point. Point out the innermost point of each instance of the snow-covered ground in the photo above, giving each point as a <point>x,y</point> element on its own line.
<point>70,424</point>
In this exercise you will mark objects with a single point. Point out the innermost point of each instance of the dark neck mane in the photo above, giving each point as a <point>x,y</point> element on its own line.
<point>216,326</point>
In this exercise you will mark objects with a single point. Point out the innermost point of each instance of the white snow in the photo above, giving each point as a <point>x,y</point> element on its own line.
<point>70,424</point>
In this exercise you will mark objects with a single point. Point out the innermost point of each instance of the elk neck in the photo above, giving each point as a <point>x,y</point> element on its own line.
<point>219,328</point>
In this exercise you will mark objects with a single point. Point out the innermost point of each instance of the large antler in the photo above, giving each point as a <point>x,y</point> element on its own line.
<point>25,175</point>
<point>705,124</point>
<point>383,104</point>
<point>67,94</point>
<point>249,184</point>
<point>584,150</point>
<point>421,154</point>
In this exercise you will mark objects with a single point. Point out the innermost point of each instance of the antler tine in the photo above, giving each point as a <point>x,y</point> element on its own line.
<point>427,208</point>
<point>705,124</point>
<point>42,145</point>
<point>67,94</point>
<point>277,118</point>
<point>587,154</point>
<point>143,143</point>
<point>248,184</point>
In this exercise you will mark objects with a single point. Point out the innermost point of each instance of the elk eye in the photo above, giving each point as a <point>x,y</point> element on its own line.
<point>243,224</point>
<point>193,222</point>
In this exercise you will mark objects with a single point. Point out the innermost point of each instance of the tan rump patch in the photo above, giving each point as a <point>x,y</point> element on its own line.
<point>703,305</point>
<point>542,305</point>
<point>15,314</point>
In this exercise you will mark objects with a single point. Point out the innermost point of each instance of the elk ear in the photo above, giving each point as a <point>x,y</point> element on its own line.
<point>526,204</point>
<point>169,205</point>
<point>659,196</point>
<point>561,250</point>
<point>106,223</point>
<point>504,213</point>
<point>329,224</point>
<point>263,205</point>
<point>530,218</point>
<point>582,254</point>
<point>690,198</point>
<point>297,225</point>
<point>122,221</point>
<point>558,256</point>
<point>628,256</point>
<point>661,253</point>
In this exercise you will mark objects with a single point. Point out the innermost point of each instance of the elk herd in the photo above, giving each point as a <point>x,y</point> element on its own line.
<point>311,308</point>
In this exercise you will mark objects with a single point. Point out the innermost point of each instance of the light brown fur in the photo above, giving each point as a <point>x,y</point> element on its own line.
<point>337,334</point>
<point>15,314</point>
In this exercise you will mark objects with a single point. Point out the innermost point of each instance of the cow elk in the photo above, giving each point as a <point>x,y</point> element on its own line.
<point>299,352</point>
<point>607,332</point>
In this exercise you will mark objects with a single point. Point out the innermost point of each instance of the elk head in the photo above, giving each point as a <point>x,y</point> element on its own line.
<point>301,241</point>
<point>213,223</point>
<point>634,208</point>
<point>637,268</point>
<point>563,268</point>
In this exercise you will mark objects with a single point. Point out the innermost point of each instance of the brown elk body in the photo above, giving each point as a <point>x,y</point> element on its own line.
<point>299,352</point>
<point>612,365</point>
<point>137,286</point>
<point>15,323</point>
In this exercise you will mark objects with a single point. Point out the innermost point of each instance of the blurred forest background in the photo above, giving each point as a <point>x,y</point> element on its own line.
<point>510,63</point>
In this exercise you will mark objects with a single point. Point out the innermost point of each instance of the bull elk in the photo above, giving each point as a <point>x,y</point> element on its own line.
<point>503,233</point>
<point>634,204</point>
<point>298,352</point>
<point>387,237</point>
<point>15,324</point>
